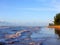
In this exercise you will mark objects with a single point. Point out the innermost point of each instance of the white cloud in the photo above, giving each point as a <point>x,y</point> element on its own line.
<point>56,5</point>
<point>53,5</point>
<point>38,9</point>
<point>2,20</point>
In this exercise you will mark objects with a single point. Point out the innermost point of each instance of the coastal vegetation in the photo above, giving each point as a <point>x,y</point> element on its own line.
<point>56,22</point>
<point>57,19</point>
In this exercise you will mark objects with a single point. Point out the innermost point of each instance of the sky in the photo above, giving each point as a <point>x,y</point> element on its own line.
<point>29,11</point>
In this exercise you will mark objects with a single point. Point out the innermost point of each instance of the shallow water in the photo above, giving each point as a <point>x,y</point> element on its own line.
<point>32,36</point>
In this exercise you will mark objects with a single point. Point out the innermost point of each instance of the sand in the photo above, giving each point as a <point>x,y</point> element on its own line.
<point>56,26</point>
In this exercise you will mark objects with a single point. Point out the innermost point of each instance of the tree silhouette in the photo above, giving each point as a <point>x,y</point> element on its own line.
<point>57,19</point>
<point>57,22</point>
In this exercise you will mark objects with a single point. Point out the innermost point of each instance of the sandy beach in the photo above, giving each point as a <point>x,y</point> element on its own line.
<point>56,26</point>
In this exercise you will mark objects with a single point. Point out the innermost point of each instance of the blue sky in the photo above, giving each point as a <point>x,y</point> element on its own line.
<point>28,11</point>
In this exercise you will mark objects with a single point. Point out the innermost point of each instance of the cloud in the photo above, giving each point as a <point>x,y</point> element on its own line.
<point>56,5</point>
<point>2,20</point>
<point>50,5</point>
<point>38,9</point>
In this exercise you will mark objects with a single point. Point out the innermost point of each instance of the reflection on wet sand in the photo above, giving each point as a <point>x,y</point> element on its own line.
<point>57,31</point>
<point>28,36</point>
<point>15,35</point>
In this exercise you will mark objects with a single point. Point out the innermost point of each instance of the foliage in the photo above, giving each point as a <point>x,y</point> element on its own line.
<point>57,19</point>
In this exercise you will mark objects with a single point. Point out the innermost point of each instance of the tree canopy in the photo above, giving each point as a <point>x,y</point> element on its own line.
<point>57,19</point>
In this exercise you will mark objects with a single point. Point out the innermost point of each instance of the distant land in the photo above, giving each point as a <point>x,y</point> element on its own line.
<point>4,23</point>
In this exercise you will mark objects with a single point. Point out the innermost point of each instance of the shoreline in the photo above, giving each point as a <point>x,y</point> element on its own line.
<point>56,26</point>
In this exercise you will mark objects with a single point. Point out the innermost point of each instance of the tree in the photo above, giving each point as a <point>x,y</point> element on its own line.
<point>57,19</point>
<point>57,22</point>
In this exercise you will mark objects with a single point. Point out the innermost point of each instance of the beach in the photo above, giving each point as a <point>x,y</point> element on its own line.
<point>56,26</point>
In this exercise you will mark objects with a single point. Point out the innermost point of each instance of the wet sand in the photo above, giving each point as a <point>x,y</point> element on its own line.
<point>29,36</point>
